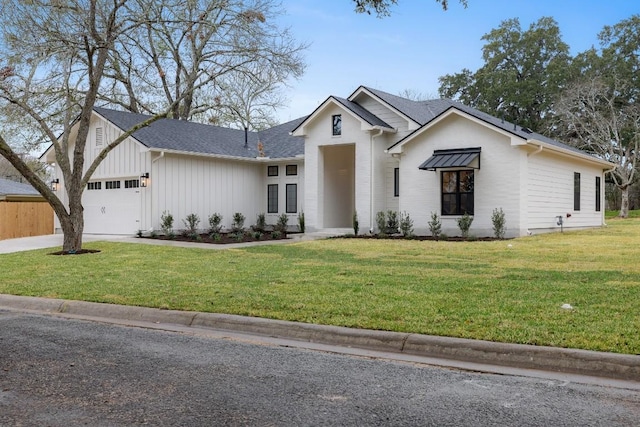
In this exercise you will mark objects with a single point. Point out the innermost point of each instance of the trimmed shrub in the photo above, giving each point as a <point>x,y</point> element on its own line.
<point>191,223</point>
<point>166,223</point>
<point>237,225</point>
<point>214,224</point>
<point>393,223</point>
<point>464,224</point>
<point>261,223</point>
<point>281,225</point>
<point>435,226</point>
<point>355,223</point>
<point>301,225</point>
<point>381,222</point>
<point>406,224</point>
<point>499,223</point>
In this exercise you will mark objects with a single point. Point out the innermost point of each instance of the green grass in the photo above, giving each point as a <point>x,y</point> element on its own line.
<point>481,290</point>
<point>612,214</point>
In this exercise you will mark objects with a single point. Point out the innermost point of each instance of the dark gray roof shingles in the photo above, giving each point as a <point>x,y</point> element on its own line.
<point>198,138</point>
<point>423,112</point>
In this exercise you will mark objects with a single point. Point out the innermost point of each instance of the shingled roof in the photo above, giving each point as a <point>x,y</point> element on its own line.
<point>8,187</point>
<point>198,138</point>
<point>423,112</point>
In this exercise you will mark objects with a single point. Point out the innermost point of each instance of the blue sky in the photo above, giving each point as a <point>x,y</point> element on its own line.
<point>419,42</point>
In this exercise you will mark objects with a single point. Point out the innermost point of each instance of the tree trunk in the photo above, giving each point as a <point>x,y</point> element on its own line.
<point>624,204</point>
<point>72,227</point>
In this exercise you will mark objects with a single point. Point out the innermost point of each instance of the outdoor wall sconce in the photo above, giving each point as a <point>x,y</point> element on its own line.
<point>55,184</point>
<point>144,179</point>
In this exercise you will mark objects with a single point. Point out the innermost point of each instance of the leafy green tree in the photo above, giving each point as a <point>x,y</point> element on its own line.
<point>522,73</point>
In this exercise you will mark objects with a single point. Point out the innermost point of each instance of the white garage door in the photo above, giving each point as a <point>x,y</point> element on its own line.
<point>111,208</point>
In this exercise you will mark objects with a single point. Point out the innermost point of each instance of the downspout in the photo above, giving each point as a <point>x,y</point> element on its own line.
<point>604,174</point>
<point>371,214</point>
<point>533,153</point>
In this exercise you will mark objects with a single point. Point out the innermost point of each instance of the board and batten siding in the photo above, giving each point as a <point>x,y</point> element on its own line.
<point>550,187</point>
<point>497,182</point>
<point>182,185</point>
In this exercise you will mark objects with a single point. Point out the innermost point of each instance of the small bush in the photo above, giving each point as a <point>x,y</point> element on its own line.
<point>261,223</point>
<point>381,222</point>
<point>498,220</point>
<point>216,237</point>
<point>276,234</point>
<point>238,236</point>
<point>355,223</point>
<point>215,221</point>
<point>166,223</point>
<point>392,222</point>
<point>237,225</point>
<point>153,234</point>
<point>281,225</point>
<point>301,225</point>
<point>435,226</point>
<point>191,223</point>
<point>406,224</point>
<point>464,224</point>
<point>257,235</point>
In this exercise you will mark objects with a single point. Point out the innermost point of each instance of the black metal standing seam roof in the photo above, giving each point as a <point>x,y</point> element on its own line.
<point>451,159</point>
<point>198,138</point>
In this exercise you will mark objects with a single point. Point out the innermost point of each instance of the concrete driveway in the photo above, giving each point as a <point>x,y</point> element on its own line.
<point>48,241</point>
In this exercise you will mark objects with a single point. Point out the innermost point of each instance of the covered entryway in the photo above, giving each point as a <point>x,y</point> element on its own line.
<point>112,208</point>
<point>339,185</point>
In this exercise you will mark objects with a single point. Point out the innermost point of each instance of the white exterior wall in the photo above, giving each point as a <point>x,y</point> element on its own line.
<point>550,192</point>
<point>127,161</point>
<point>183,185</point>
<point>497,182</point>
<point>319,134</point>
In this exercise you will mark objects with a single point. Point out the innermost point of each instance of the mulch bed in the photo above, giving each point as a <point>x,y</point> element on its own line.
<point>80,252</point>
<point>225,238</point>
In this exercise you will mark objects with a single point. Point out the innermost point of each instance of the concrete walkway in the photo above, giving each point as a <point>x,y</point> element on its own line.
<point>55,241</point>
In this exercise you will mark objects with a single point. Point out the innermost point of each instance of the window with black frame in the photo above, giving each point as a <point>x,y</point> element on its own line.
<point>457,192</point>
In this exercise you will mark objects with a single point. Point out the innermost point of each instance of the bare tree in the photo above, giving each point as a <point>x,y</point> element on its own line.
<point>595,120</point>
<point>248,101</point>
<point>60,57</point>
<point>207,43</point>
<point>382,7</point>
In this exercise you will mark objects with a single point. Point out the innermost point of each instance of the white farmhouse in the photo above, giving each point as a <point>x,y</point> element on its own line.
<point>370,152</point>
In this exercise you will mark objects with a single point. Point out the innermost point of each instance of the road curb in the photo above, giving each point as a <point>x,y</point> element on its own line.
<point>582,362</point>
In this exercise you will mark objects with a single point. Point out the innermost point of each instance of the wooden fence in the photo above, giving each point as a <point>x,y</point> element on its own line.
<point>25,218</point>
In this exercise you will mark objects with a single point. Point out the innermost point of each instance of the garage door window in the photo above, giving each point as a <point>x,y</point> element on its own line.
<point>94,185</point>
<point>112,185</point>
<point>132,183</point>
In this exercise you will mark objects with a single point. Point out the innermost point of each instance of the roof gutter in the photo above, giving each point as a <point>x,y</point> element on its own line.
<point>584,156</point>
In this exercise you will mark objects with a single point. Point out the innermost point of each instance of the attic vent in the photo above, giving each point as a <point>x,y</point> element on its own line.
<point>99,138</point>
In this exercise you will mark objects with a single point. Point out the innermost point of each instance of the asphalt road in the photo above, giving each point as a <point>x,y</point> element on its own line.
<point>63,372</point>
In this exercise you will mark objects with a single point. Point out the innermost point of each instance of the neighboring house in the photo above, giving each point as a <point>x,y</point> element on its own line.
<point>368,153</point>
<point>23,211</point>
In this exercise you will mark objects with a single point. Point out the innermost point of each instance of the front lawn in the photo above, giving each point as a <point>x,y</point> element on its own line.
<point>509,291</point>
